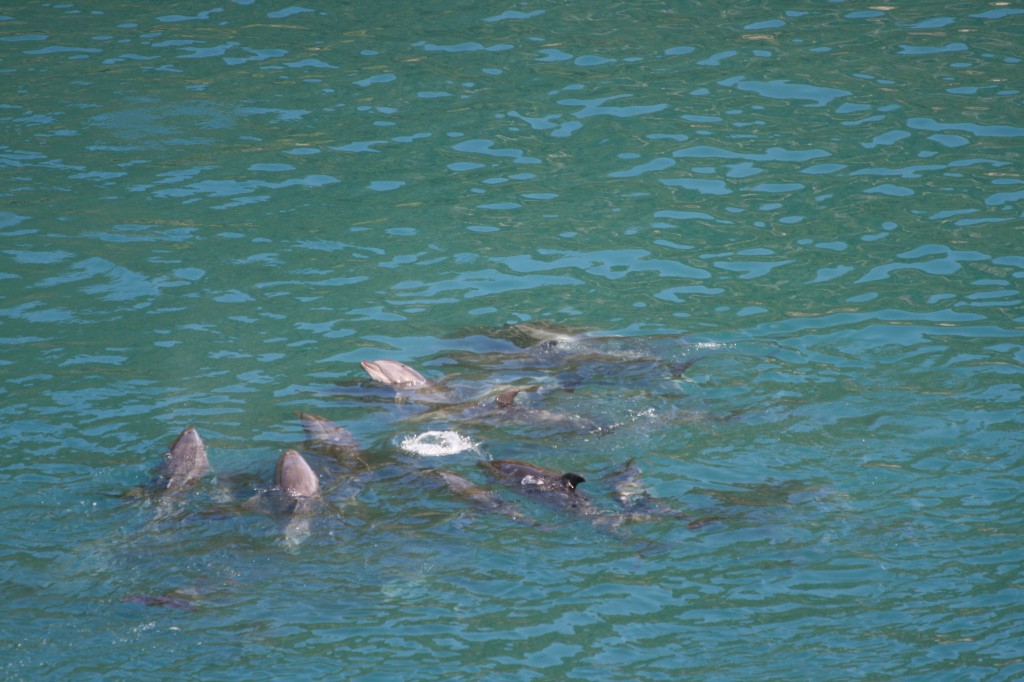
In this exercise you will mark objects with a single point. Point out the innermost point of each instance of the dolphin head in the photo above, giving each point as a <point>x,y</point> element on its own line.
<point>295,478</point>
<point>393,373</point>
<point>185,461</point>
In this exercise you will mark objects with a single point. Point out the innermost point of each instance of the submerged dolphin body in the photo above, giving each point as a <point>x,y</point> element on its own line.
<point>185,462</point>
<point>631,494</point>
<point>576,353</point>
<point>547,341</point>
<point>175,600</point>
<point>529,334</point>
<point>324,433</point>
<point>487,499</point>
<point>345,462</point>
<point>463,487</point>
<point>446,405</point>
<point>506,409</point>
<point>502,409</point>
<point>640,505</point>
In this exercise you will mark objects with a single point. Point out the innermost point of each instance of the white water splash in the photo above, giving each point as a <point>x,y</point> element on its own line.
<point>710,345</point>
<point>437,443</point>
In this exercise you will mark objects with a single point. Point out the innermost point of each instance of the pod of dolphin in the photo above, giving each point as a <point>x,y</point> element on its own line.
<point>297,486</point>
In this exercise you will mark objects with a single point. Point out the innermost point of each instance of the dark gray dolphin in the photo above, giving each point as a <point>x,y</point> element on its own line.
<point>553,487</point>
<point>185,462</point>
<point>178,601</point>
<point>531,476</point>
<point>770,493</point>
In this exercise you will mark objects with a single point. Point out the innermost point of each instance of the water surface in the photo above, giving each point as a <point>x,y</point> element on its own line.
<point>801,222</point>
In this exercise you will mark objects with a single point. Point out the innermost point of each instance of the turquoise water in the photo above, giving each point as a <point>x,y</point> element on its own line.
<point>212,213</point>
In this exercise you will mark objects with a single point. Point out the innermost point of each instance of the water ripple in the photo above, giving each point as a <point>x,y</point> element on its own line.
<point>774,247</point>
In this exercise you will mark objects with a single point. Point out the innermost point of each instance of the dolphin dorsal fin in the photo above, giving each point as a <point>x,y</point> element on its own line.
<point>506,398</point>
<point>572,480</point>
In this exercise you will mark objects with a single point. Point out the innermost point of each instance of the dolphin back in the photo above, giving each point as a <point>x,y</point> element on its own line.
<point>532,475</point>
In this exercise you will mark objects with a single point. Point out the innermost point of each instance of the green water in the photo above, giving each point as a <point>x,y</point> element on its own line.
<point>211,213</point>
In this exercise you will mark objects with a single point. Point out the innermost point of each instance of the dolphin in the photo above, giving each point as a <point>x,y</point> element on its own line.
<point>326,434</point>
<point>638,504</point>
<point>556,488</point>
<point>633,497</point>
<point>786,493</point>
<point>527,334</point>
<point>575,352</point>
<point>185,462</point>
<point>298,491</point>
<point>445,404</point>
<point>409,385</point>
<point>171,601</point>
<point>481,496</point>
<point>324,437</point>
<point>502,409</point>
<point>393,373</point>
<point>505,408</point>
<point>532,476</point>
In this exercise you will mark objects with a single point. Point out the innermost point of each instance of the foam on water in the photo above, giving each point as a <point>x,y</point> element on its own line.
<point>437,443</point>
